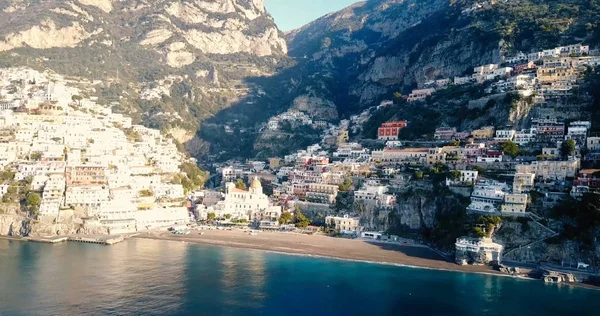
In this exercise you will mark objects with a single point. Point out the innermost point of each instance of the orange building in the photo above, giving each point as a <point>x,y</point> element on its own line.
<point>390,130</point>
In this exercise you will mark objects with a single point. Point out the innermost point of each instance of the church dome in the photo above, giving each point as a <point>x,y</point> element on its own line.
<point>256,184</point>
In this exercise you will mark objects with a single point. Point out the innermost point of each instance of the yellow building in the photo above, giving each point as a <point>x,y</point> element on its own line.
<point>554,74</point>
<point>483,133</point>
<point>435,155</point>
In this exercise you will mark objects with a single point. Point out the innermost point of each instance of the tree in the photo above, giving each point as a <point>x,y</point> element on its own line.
<point>145,193</point>
<point>478,232</point>
<point>568,148</point>
<point>239,184</point>
<point>11,195</point>
<point>346,185</point>
<point>419,174</point>
<point>35,156</point>
<point>397,97</point>
<point>7,175</point>
<point>285,218</point>
<point>33,203</point>
<point>211,216</point>
<point>227,216</point>
<point>454,175</point>
<point>301,220</point>
<point>359,207</point>
<point>510,148</point>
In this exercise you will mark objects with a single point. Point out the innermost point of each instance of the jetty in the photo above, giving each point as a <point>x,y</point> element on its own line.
<point>48,239</point>
<point>98,239</point>
<point>105,240</point>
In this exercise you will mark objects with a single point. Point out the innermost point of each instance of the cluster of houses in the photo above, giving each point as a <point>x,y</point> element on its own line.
<point>317,178</point>
<point>81,158</point>
<point>295,118</point>
<point>547,74</point>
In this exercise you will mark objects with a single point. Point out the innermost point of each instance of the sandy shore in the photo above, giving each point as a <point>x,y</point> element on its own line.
<point>347,249</point>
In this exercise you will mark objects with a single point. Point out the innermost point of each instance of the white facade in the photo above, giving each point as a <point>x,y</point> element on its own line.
<point>505,134</point>
<point>483,248</point>
<point>420,94</point>
<point>86,196</point>
<point>161,217</point>
<point>524,137</point>
<point>242,204</point>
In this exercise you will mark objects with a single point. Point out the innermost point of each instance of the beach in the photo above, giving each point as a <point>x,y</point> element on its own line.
<point>414,255</point>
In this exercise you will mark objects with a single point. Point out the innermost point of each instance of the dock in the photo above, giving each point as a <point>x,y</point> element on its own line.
<point>108,240</point>
<point>98,239</point>
<point>48,240</point>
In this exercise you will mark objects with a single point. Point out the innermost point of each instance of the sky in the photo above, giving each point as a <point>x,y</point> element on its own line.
<point>292,14</point>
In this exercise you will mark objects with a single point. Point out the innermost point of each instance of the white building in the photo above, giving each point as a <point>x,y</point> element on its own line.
<point>375,195</point>
<point>242,204</point>
<point>92,196</point>
<point>477,251</point>
<point>593,143</point>
<point>524,137</point>
<point>463,80</point>
<point>487,197</point>
<point>466,177</point>
<point>505,134</point>
<point>520,57</point>
<point>161,217</point>
<point>420,94</point>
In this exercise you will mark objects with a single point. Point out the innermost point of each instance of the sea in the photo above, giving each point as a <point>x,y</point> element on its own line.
<point>153,277</point>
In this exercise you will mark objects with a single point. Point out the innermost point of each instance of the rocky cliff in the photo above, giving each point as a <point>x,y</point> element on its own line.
<point>13,225</point>
<point>168,63</point>
<point>380,46</point>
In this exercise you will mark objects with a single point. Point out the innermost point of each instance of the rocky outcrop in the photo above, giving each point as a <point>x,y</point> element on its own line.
<point>155,37</point>
<point>416,211</point>
<point>104,5</point>
<point>379,47</point>
<point>235,41</point>
<point>315,107</point>
<point>15,225</point>
<point>46,35</point>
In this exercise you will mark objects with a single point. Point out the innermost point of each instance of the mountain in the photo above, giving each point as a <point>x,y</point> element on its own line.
<point>170,63</point>
<point>376,47</point>
<point>357,57</point>
<point>222,68</point>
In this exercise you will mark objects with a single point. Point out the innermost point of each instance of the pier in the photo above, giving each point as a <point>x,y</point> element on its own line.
<point>98,239</point>
<point>106,240</point>
<point>48,240</point>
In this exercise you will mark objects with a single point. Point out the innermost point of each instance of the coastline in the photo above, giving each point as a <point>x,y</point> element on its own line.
<point>316,246</point>
<point>404,255</point>
<point>319,246</point>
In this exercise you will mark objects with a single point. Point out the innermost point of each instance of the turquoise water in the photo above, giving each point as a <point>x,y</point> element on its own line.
<point>152,277</point>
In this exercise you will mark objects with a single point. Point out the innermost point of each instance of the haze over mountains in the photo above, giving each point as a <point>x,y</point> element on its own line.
<point>213,72</point>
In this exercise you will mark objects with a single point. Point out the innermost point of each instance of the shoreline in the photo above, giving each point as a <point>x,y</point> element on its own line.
<point>219,239</point>
<point>318,246</point>
<point>401,255</point>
